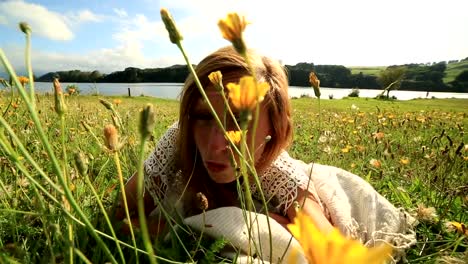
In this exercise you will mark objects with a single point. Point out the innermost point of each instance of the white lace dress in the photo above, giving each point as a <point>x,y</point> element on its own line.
<point>348,201</point>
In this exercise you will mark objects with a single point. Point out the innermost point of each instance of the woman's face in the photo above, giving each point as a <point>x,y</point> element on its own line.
<point>211,143</point>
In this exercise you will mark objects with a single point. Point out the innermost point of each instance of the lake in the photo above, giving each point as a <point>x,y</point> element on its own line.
<point>172,90</point>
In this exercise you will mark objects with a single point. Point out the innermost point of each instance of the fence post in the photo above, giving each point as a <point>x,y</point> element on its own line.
<point>129,93</point>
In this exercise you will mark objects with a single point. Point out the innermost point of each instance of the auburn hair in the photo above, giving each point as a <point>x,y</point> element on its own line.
<point>232,67</point>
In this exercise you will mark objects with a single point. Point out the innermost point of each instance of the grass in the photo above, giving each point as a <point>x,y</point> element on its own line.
<point>375,70</point>
<point>454,69</point>
<point>419,144</point>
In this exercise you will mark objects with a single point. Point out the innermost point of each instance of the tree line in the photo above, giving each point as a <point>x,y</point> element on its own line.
<point>415,77</point>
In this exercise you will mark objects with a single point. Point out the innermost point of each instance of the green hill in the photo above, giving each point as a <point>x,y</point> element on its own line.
<point>452,70</point>
<point>367,70</point>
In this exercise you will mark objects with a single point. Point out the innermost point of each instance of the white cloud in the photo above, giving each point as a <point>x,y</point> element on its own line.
<point>138,28</point>
<point>82,16</point>
<point>103,60</point>
<point>120,12</point>
<point>44,22</point>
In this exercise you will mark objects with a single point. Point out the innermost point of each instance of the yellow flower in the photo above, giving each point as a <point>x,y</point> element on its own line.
<point>117,101</point>
<point>458,227</point>
<point>320,248</point>
<point>216,78</point>
<point>234,136</point>
<point>247,94</point>
<point>346,149</point>
<point>404,161</point>
<point>23,80</point>
<point>315,82</point>
<point>231,28</point>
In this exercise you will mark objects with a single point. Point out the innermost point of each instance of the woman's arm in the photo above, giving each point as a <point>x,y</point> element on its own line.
<point>154,225</point>
<point>131,194</point>
<point>308,205</point>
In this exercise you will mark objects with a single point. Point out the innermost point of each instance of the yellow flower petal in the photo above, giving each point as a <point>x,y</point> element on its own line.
<point>234,136</point>
<point>332,248</point>
<point>247,94</point>
<point>231,28</point>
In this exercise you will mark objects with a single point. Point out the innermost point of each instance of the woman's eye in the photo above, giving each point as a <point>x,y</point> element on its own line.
<point>204,117</point>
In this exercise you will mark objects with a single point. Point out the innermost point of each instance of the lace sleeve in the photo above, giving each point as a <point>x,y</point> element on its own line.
<point>281,181</point>
<point>161,164</point>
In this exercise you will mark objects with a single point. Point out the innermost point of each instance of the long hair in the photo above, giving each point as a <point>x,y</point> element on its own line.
<point>232,67</point>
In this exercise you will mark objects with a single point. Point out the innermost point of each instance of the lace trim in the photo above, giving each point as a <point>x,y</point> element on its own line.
<point>281,181</point>
<point>160,165</point>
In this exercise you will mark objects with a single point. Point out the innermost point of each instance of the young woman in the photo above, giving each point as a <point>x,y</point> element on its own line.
<point>194,156</point>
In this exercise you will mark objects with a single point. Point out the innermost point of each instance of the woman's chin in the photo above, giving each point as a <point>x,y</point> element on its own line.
<point>222,178</point>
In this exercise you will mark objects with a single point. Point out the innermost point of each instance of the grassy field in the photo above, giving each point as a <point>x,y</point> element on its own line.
<point>413,152</point>
<point>453,69</point>
<point>367,70</point>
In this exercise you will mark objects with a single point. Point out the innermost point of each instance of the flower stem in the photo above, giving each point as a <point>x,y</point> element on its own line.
<point>29,68</point>
<point>127,213</point>
<point>140,203</point>
<point>106,217</point>
<point>54,161</point>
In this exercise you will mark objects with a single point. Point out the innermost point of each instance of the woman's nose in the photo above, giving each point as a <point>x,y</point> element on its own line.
<point>216,141</point>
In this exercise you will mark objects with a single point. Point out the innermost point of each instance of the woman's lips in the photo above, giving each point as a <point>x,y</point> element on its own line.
<point>215,166</point>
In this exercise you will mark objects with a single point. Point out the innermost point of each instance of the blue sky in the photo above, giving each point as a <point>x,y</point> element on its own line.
<point>110,35</point>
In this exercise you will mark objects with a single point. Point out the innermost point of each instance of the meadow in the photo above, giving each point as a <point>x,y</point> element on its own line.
<point>413,152</point>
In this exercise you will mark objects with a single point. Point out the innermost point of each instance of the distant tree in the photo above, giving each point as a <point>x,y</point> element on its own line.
<point>460,84</point>
<point>391,78</point>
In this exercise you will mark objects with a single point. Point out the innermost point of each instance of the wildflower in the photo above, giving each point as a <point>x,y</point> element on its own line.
<point>426,214</point>
<point>378,135</point>
<point>354,107</point>
<point>14,105</point>
<point>327,149</point>
<point>231,28</point>
<point>234,136</point>
<point>117,101</point>
<point>147,120</point>
<point>322,248</point>
<point>23,80</point>
<point>60,106</point>
<point>25,27</point>
<point>216,78</point>
<point>454,226</point>
<point>315,82</point>
<point>202,201</point>
<point>346,149</point>
<point>404,161</point>
<point>81,163</point>
<point>174,34</point>
<point>247,94</point>
<point>22,182</point>
<point>375,163</point>
<point>106,104</point>
<point>111,137</point>
<point>360,148</point>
